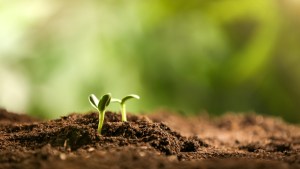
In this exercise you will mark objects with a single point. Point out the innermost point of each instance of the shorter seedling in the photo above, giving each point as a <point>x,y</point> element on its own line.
<point>123,106</point>
<point>101,107</point>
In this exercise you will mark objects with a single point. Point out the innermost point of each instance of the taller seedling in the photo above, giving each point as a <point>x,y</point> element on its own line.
<point>101,107</point>
<point>123,106</point>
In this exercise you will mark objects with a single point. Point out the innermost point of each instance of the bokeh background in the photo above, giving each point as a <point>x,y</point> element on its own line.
<point>187,56</point>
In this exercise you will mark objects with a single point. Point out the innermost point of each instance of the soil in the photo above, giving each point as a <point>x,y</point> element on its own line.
<point>161,140</point>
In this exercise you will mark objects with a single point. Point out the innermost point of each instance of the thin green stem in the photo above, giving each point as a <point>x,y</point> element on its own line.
<point>101,121</point>
<point>124,118</point>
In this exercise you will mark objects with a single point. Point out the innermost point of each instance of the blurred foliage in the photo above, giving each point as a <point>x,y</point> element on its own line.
<point>188,56</point>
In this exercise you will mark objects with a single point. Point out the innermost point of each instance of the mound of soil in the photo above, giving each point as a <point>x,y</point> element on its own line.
<point>161,140</point>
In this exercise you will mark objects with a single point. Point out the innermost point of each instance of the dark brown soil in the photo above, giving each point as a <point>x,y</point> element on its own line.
<point>161,140</point>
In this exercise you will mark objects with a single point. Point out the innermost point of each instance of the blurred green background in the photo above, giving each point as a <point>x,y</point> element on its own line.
<point>186,56</point>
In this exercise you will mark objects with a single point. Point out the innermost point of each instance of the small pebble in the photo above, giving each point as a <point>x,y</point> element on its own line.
<point>142,154</point>
<point>91,149</point>
<point>144,147</point>
<point>62,156</point>
<point>172,158</point>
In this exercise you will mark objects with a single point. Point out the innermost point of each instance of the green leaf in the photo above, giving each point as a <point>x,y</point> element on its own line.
<point>94,101</point>
<point>131,96</point>
<point>104,102</point>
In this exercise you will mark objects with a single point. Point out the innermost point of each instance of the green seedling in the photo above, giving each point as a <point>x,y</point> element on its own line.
<point>101,107</point>
<point>123,106</point>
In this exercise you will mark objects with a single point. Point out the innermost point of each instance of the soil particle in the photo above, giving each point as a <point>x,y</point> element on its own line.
<point>161,140</point>
<point>158,135</point>
<point>9,117</point>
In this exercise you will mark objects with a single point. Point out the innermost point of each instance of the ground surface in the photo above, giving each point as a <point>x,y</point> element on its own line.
<point>161,140</point>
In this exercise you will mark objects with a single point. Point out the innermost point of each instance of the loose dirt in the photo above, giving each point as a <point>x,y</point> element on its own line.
<point>160,140</point>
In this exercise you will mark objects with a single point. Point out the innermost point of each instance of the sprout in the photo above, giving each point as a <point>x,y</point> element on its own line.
<point>123,106</point>
<point>100,106</point>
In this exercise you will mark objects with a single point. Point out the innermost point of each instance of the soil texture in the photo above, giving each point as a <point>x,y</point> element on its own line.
<point>161,140</point>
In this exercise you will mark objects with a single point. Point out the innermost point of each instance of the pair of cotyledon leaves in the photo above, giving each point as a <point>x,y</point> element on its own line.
<point>106,99</point>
